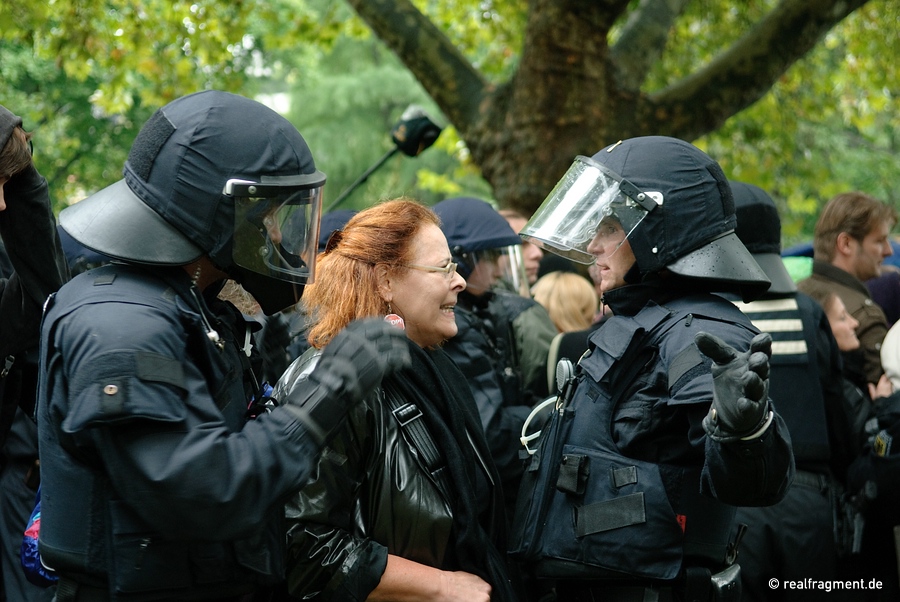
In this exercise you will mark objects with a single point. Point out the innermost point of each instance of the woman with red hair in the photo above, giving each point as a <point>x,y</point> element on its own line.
<point>406,502</point>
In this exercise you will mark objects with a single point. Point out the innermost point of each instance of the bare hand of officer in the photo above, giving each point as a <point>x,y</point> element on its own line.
<point>351,366</point>
<point>740,404</point>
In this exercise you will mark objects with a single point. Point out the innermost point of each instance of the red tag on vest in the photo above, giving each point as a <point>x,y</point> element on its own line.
<point>682,520</point>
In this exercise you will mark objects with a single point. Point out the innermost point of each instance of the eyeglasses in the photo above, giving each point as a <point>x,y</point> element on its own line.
<point>448,270</point>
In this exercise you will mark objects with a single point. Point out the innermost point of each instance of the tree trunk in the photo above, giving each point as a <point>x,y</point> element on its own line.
<point>572,94</point>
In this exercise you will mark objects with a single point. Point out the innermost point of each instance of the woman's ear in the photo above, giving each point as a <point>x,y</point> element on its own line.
<point>385,282</point>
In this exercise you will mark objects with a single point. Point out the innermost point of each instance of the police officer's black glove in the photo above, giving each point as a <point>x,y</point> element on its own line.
<point>350,367</point>
<point>740,407</point>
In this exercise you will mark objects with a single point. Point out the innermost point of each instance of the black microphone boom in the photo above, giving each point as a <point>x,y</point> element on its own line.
<point>412,134</point>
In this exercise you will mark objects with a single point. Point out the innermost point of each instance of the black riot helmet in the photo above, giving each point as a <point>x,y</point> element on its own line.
<point>218,174</point>
<point>671,199</point>
<point>477,234</point>
<point>759,228</point>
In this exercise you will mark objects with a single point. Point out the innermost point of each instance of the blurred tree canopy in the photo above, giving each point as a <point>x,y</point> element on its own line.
<point>796,96</point>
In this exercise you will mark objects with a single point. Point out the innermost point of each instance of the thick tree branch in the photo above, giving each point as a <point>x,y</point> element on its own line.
<point>642,41</point>
<point>741,75</point>
<point>449,78</point>
<point>555,104</point>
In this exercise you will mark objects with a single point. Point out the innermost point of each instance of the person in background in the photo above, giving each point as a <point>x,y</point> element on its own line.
<point>843,325</point>
<point>860,397</point>
<point>666,423</point>
<point>569,298</point>
<point>531,254</point>
<point>478,236</point>
<point>850,244</point>
<point>885,291</point>
<point>164,466</point>
<point>405,503</point>
<point>806,386</point>
<point>572,345</point>
<point>872,492</point>
<point>28,232</point>
<point>502,338</point>
<point>33,267</point>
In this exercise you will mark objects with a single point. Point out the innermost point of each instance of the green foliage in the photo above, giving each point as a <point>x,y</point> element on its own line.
<point>828,125</point>
<point>77,148</point>
<point>86,75</point>
<point>488,32</point>
<point>347,105</point>
<point>705,28</point>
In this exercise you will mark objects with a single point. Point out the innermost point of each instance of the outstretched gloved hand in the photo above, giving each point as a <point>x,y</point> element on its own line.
<point>740,406</point>
<point>351,366</point>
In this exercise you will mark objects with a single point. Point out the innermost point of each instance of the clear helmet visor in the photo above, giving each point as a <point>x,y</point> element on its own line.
<point>512,272</point>
<point>276,228</point>
<point>495,269</point>
<point>589,193</point>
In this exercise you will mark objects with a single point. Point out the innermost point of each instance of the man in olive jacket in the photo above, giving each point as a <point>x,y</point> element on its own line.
<point>850,244</point>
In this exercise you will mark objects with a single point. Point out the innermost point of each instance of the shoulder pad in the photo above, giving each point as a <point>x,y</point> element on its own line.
<point>122,386</point>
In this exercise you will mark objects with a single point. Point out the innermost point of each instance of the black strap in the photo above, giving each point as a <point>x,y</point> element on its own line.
<point>410,419</point>
<point>686,360</point>
<point>7,365</point>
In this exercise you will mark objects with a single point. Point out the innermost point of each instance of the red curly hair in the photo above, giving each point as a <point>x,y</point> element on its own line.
<point>346,286</point>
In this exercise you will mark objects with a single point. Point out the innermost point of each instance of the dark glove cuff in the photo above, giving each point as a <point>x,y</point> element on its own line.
<point>320,405</point>
<point>768,418</point>
<point>715,431</point>
<point>319,433</point>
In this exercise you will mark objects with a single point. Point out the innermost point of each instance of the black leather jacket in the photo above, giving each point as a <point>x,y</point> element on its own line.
<point>371,496</point>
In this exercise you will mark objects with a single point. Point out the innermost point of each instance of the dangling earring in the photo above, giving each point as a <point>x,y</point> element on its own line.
<point>197,273</point>
<point>393,319</point>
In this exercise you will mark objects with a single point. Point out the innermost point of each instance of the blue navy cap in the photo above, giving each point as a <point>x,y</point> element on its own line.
<point>472,224</point>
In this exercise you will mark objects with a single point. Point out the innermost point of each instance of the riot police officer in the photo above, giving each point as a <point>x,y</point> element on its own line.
<point>155,482</point>
<point>630,493</point>
<point>805,383</point>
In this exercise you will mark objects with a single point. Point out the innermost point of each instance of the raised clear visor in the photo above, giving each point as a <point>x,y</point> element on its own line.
<point>567,220</point>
